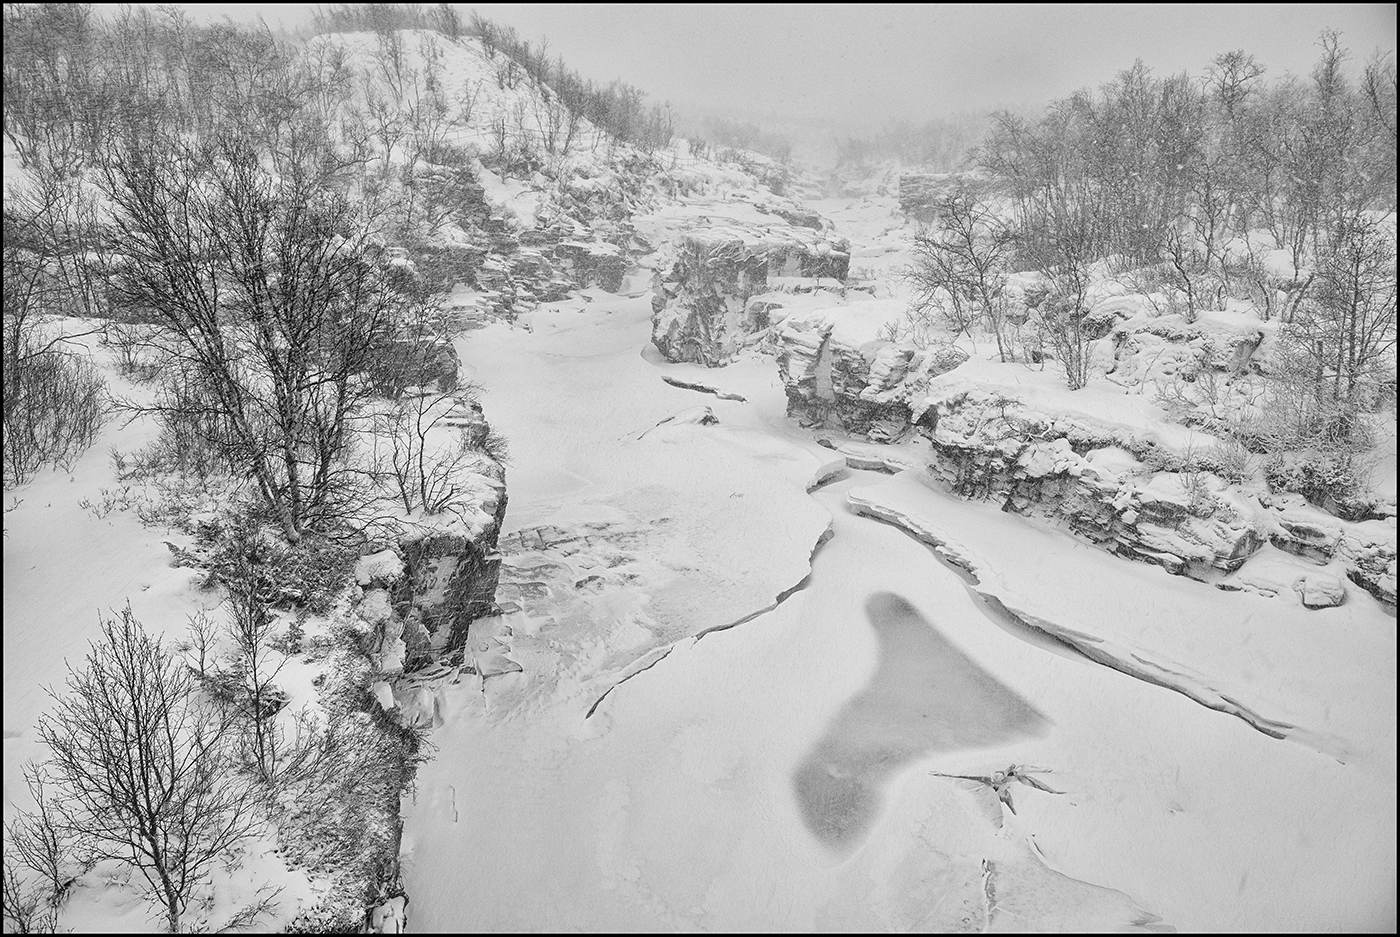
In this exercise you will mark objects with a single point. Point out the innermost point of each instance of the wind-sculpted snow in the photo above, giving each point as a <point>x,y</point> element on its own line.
<point>1178,638</point>
<point>925,696</point>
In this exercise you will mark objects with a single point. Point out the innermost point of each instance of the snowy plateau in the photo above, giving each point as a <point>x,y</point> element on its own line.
<point>785,619</point>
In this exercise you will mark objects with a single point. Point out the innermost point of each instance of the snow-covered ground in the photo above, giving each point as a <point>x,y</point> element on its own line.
<point>72,559</point>
<point>777,774</point>
<point>729,691</point>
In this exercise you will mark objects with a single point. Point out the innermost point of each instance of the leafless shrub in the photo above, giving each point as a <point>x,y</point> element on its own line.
<point>41,841</point>
<point>25,909</point>
<point>54,408</point>
<point>425,474</point>
<point>960,266</point>
<point>263,904</point>
<point>201,647</point>
<point>141,766</point>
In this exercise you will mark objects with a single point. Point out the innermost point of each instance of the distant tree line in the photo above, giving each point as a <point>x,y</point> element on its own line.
<point>944,144</point>
<point>713,131</point>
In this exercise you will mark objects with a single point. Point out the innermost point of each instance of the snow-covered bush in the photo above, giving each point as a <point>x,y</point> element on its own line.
<point>1333,481</point>
<point>242,550</point>
<point>337,817</point>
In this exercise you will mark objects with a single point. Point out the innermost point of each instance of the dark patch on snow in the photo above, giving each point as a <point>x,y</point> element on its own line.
<point>702,388</point>
<point>926,696</point>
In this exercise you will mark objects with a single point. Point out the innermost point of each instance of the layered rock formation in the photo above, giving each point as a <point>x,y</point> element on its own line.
<point>1365,550</point>
<point>838,374</point>
<point>702,309</point>
<point>920,192</point>
<point>1116,484</point>
<point>989,446</point>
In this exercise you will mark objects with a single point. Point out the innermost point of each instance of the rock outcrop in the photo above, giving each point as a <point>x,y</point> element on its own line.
<point>701,305</point>
<point>1366,550</point>
<point>987,446</point>
<point>1116,484</point>
<point>920,192</point>
<point>1099,482</point>
<point>420,594</point>
<point>838,374</point>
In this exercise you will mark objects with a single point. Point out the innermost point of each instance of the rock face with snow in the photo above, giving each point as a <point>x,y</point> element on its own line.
<point>593,263</point>
<point>1150,348</point>
<point>839,374</point>
<point>920,192</point>
<point>1109,482</point>
<point>1367,550</point>
<point>419,595</point>
<point>451,577</point>
<point>701,306</point>
<point>990,447</point>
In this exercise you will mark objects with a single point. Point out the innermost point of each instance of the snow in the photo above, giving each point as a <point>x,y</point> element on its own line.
<point>728,686</point>
<point>675,804</point>
<point>723,539</point>
<point>674,807</point>
<point>384,566</point>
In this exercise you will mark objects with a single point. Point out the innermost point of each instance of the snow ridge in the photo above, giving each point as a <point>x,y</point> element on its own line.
<point>1097,649</point>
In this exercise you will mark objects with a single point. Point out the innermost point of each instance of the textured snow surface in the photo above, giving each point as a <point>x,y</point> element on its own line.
<point>774,772</point>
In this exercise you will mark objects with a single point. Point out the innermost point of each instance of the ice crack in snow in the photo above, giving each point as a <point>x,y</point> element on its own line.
<point>1097,650</point>
<point>779,600</point>
<point>989,894</point>
<point>619,683</point>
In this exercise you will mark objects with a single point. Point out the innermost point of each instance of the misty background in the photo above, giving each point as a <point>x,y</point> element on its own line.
<point>822,72</point>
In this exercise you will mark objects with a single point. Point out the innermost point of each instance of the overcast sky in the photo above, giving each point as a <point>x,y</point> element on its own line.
<point>873,63</point>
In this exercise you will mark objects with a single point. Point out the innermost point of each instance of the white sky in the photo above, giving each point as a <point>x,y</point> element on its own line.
<point>877,62</point>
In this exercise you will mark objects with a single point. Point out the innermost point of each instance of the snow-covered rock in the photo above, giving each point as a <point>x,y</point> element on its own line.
<point>451,579</point>
<point>384,567</point>
<point>1321,590</point>
<point>987,446</point>
<point>701,309</point>
<point>839,373</point>
<point>919,192</point>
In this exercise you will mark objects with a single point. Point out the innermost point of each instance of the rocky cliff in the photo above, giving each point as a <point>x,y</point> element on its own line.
<point>839,374</point>
<point>724,258</point>
<point>1127,493</point>
<point>1106,465</point>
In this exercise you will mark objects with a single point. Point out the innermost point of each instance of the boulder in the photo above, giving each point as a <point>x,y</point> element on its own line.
<point>1320,590</point>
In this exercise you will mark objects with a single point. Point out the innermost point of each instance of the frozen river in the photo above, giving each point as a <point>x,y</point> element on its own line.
<point>778,772</point>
